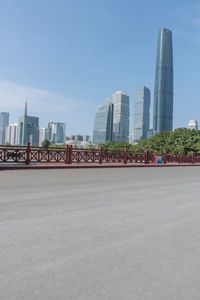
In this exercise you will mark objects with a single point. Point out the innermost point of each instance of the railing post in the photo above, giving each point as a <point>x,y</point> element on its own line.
<point>155,157</point>
<point>68,154</point>
<point>5,156</point>
<point>100,155</point>
<point>28,154</point>
<point>125,156</point>
<point>164,157</point>
<point>146,157</point>
<point>179,157</point>
<point>193,158</point>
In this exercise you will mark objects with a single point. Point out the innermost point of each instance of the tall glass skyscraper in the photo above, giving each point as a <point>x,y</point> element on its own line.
<point>163,92</point>
<point>4,122</point>
<point>121,116</point>
<point>141,114</point>
<point>28,131</point>
<point>103,125</point>
<point>57,132</point>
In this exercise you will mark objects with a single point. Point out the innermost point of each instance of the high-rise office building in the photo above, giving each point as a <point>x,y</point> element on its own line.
<point>163,93</point>
<point>103,125</point>
<point>28,130</point>
<point>11,136</point>
<point>121,116</point>
<point>141,114</point>
<point>44,134</point>
<point>4,122</point>
<point>57,132</point>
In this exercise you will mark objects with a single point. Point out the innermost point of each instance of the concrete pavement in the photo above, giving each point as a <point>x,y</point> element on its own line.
<point>91,234</point>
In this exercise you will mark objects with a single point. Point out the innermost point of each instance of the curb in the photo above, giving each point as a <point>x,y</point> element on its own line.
<point>89,166</point>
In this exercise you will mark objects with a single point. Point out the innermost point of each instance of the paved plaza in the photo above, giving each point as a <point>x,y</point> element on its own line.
<point>99,234</point>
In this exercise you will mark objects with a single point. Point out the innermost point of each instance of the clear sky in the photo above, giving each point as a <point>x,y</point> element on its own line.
<point>67,56</point>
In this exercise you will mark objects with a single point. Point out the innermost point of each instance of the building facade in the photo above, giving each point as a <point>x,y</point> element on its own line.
<point>43,135</point>
<point>57,132</point>
<point>121,114</point>
<point>4,122</point>
<point>163,92</point>
<point>11,136</point>
<point>28,131</point>
<point>141,114</point>
<point>103,125</point>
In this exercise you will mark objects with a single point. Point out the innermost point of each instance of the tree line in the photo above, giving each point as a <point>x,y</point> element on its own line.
<point>181,140</point>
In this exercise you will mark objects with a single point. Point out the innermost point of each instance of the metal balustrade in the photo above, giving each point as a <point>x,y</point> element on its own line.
<point>69,155</point>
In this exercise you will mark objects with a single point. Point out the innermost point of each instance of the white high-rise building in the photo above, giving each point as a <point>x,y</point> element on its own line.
<point>193,124</point>
<point>121,116</point>
<point>11,134</point>
<point>43,135</point>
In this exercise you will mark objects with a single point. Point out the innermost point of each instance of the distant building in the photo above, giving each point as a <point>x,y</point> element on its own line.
<point>79,141</point>
<point>28,131</point>
<point>11,136</point>
<point>57,132</point>
<point>103,125</point>
<point>121,116</point>
<point>163,92</point>
<point>193,124</point>
<point>43,135</point>
<point>86,138</point>
<point>141,114</point>
<point>4,122</point>
<point>77,138</point>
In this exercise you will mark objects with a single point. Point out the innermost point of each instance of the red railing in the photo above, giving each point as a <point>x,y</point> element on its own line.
<point>69,155</point>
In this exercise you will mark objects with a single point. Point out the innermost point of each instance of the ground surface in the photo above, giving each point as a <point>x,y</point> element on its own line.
<point>100,234</point>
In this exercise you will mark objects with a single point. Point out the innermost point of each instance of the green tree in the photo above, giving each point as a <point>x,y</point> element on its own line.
<point>46,144</point>
<point>181,140</point>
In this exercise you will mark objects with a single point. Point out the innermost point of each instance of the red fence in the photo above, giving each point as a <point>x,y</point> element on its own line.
<point>68,155</point>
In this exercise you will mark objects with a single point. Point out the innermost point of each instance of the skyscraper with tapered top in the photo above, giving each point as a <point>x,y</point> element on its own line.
<point>28,130</point>
<point>163,92</point>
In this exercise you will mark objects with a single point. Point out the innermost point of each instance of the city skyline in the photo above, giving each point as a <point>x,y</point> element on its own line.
<point>65,67</point>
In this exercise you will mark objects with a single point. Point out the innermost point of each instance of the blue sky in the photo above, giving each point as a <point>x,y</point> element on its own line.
<point>67,56</point>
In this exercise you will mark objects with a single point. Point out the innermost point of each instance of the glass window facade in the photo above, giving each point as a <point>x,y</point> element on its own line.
<point>141,114</point>
<point>28,131</point>
<point>103,125</point>
<point>57,132</point>
<point>163,92</point>
<point>121,116</point>
<point>4,122</point>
